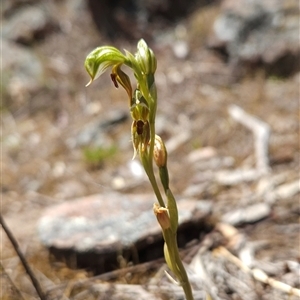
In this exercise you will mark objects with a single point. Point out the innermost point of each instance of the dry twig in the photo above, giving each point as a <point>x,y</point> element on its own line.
<point>23,260</point>
<point>261,131</point>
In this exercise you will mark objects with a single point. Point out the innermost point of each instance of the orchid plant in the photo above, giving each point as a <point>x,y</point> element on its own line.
<point>149,146</point>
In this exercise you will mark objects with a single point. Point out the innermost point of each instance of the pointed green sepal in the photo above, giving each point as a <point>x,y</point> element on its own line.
<point>145,58</point>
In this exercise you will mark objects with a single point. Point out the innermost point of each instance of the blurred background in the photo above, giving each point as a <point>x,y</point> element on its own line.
<point>61,140</point>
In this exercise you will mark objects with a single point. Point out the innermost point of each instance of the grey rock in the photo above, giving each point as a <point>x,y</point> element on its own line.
<point>22,69</point>
<point>259,33</point>
<point>196,189</point>
<point>104,223</point>
<point>95,131</point>
<point>28,24</point>
<point>118,18</point>
<point>249,214</point>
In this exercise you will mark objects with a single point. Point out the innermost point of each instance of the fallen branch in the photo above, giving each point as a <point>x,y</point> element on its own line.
<point>257,273</point>
<point>26,266</point>
<point>261,132</point>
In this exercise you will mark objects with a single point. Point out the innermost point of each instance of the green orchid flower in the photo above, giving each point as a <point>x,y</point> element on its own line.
<point>149,146</point>
<point>102,58</point>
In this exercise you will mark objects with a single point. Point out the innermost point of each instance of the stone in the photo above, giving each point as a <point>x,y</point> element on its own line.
<point>250,214</point>
<point>118,18</point>
<point>259,33</point>
<point>28,24</point>
<point>94,132</point>
<point>107,224</point>
<point>22,69</point>
<point>100,221</point>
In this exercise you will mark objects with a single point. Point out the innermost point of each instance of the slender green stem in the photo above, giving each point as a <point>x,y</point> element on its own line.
<point>147,159</point>
<point>176,263</point>
<point>148,166</point>
<point>184,281</point>
<point>152,140</point>
<point>169,236</point>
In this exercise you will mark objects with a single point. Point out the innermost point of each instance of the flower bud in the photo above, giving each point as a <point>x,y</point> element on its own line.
<point>162,215</point>
<point>146,58</point>
<point>159,152</point>
<point>152,62</point>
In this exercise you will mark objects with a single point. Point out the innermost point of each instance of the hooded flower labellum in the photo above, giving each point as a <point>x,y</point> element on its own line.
<point>140,134</point>
<point>100,59</point>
